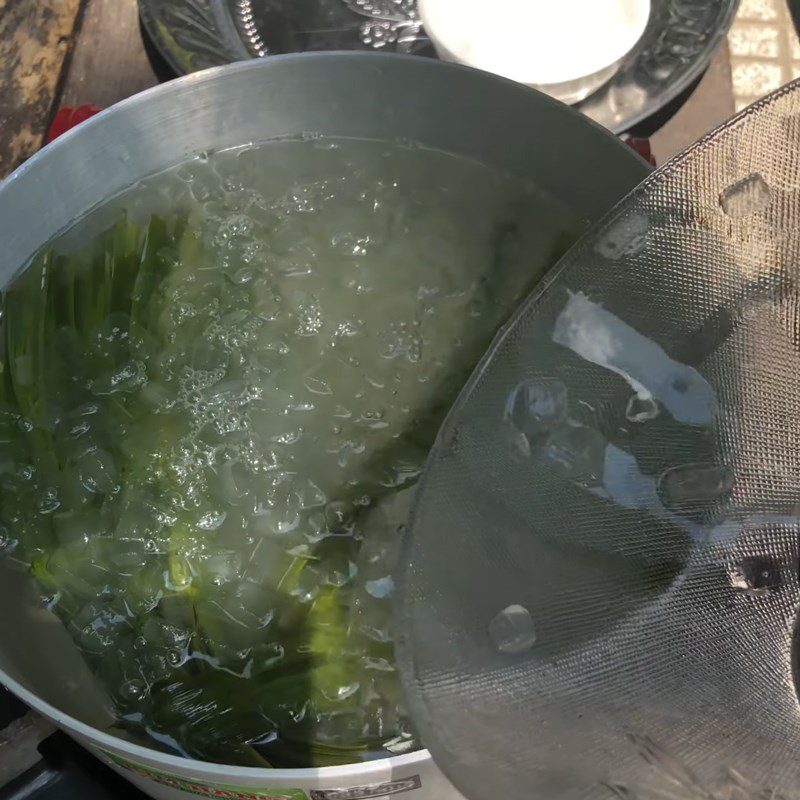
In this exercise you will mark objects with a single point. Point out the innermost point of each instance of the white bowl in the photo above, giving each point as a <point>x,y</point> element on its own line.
<point>566,48</point>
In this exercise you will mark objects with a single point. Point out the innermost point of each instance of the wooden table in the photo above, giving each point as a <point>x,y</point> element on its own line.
<point>56,53</point>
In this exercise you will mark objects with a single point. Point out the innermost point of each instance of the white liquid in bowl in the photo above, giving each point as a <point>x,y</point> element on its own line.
<point>566,47</point>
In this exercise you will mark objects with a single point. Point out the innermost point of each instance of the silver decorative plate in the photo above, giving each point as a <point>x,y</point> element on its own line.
<point>194,34</point>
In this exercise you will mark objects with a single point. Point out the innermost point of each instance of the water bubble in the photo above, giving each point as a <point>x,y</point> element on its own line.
<point>351,244</point>
<point>288,437</point>
<point>512,630</point>
<point>347,449</point>
<point>397,342</point>
<point>577,452</point>
<point>536,405</point>
<point>347,328</point>
<point>271,654</point>
<point>185,173</point>
<point>641,409</point>
<point>97,471</point>
<point>309,494</point>
<point>243,275</point>
<point>624,237</point>
<point>374,419</point>
<point>756,575</point>
<point>746,197</point>
<point>7,544</point>
<point>234,227</point>
<point>128,378</point>
<point>133,690</point>
<point>317,385</point>
<point>175,657</point>
<point>25,472</point>
<point>342,692</point>
<point>49,502</point>
<point>99,626</point>
<point>79,429</point>
<point>287,511</point>
<point>211,520</point>
<point>309,318</point>
<point>300,551</point>
<point>300,712</point>
<point>517,442</point>
<point>694,486</point>
<point>336,514</point>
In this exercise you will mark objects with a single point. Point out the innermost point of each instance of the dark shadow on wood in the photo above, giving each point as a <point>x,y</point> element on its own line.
<point>162,70</point>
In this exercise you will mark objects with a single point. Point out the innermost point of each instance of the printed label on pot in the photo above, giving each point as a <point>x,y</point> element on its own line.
<point>364,792</point>
<point>204,789</point>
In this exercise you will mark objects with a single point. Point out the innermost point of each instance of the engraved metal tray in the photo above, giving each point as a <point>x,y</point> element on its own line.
<point>194,34</point>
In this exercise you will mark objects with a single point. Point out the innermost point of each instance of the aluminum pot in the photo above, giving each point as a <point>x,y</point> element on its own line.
<point>376,96</point>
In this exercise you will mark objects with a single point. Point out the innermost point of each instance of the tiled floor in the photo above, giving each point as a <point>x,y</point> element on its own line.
<point>762,54</point>
<point>764,50</point>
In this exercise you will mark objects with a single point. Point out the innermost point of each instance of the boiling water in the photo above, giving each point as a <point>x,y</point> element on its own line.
<point>219,390</point>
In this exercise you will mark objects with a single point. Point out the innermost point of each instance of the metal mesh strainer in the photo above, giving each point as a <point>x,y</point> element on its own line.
<point>600,586</point>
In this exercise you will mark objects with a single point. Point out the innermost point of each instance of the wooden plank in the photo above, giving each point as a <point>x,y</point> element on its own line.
<point>35,38</point>
<point>109,62</point>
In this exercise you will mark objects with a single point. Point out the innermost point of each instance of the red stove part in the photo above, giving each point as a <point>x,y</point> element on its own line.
<point>642,147</point>
<point>68,117</point>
